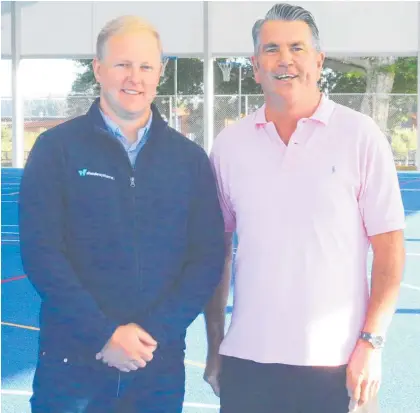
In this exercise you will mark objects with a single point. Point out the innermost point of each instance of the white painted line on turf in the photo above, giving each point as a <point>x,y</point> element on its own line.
<point>186,404</point>
<point>202,405</point>
<point>16,392</point>
<point>408,254</point>
<point>410,286</point>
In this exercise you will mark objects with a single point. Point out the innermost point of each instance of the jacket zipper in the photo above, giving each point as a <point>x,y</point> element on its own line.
<point>138,264</point>
<point>132,186</point>
<point>119,384</point>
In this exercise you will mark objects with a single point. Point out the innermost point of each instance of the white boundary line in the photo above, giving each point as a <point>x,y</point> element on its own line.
<point>16,392</point>
<point>408,254</point>
<point>186,404</point>
<point>411,286</point>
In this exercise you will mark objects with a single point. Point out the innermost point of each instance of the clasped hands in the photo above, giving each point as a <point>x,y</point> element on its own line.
<point>129,348</point>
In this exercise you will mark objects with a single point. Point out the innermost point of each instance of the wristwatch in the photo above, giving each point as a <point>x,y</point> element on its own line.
<point>377,342</point>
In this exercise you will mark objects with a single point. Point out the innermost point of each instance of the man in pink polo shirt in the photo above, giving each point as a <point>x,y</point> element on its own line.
<point>308,185</point>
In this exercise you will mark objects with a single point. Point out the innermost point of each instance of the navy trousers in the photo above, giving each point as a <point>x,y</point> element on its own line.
<point>81,386</point>
<point>249,387</point>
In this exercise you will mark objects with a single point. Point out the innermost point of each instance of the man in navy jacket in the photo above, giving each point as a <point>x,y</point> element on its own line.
<point>122,236</point>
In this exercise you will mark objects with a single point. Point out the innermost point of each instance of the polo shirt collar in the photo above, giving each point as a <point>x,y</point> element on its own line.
<point>322,114</point>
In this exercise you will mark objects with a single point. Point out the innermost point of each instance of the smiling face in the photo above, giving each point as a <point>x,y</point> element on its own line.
<point>129,73</point>
<point>286,64</point>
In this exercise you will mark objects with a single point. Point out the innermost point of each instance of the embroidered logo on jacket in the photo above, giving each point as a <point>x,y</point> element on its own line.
<point>85,172</point>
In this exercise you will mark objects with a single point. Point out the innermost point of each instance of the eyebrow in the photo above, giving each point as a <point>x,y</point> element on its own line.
<point>145,62</point>
<point>272,44</point>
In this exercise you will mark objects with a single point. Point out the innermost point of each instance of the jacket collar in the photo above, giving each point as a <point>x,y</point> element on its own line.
<point>97,120</point>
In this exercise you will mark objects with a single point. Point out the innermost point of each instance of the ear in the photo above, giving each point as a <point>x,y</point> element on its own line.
<point>255,67</point>
<point>320,61</point>
<point>96,65</point>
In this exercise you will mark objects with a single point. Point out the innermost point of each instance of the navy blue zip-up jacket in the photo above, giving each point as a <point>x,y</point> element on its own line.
<point>106,244</point>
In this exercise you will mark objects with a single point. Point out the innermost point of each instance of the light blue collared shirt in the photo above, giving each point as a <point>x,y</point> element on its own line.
<point>134,148</point>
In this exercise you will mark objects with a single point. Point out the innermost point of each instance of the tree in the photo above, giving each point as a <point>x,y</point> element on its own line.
<point>380,76</point>
<point>366,83</point>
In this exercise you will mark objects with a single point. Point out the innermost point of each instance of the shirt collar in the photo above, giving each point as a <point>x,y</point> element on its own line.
<point>116,131</point>
<point>322,114</point>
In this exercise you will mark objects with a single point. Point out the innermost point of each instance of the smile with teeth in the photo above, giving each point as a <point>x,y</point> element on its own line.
<point>284,76</point>
<point>131,92</point>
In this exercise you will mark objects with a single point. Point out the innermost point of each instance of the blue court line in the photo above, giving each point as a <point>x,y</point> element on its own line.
<point>229,310</point>
<point>408,311</point>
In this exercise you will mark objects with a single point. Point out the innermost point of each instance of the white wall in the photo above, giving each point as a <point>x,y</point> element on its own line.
<point>69,29</point>
<point>359,27</point>
<point>178,22</point>
<point>6,27</point>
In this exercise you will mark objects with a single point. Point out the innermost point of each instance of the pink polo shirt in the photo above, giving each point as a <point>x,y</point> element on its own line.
<point>303,214</point>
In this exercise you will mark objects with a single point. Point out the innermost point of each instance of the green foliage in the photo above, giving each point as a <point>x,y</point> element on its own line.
<point>6,138</point>
<point>85,82</point>
<point>29,139</point>
<point>342,82</point>
<point>404,140</point>
<point>405,80</point>
<point>190,78</point>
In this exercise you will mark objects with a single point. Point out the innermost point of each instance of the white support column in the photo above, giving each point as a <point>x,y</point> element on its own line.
<point>176,94</point>
<point>208,82</point>
<point>240,92</point>
<point>17,98</point>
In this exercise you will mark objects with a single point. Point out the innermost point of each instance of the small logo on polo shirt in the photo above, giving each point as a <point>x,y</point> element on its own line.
<point>85,172</point>
<point>333,169</point>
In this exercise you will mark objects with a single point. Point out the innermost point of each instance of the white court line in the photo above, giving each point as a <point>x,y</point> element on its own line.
<point>186,404</point>
<point>16,392</point>
<point>410,286</point>
<point>411,254</point>
<point>202,405</point>
<point>4,225</point>
<point>14,233</point>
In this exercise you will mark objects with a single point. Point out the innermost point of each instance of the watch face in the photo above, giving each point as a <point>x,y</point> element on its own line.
<point>378,342</point>
<point>375,341</point>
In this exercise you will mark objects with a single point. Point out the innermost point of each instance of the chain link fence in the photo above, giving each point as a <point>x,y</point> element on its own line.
<point>395,114</point>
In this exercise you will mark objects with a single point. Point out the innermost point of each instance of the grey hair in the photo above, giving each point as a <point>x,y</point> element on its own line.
<point>123,24</point>
<point>287,12</point>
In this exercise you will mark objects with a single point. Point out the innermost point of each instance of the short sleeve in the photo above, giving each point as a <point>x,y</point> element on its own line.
<point>220,169</point>
<point>380,200</point>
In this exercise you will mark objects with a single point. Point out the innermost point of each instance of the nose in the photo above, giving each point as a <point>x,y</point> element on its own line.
<point>284,58</point>
<point>134,75</point>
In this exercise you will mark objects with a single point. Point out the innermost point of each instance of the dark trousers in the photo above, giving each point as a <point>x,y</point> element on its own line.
<point>78,386</point>
<point>249,387</point>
